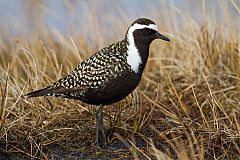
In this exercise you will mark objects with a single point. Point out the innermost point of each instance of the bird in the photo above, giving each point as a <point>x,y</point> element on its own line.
<point>109,75</point>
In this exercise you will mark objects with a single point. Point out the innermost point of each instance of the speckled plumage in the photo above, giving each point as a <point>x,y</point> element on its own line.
<point>94,74</point>
<point>109,75</point>
<point>98,69</point>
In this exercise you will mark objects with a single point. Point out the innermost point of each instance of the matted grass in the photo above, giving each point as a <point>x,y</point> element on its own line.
<point>187,105</point>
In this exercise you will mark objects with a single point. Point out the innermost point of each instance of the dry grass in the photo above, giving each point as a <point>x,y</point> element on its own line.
<point>186,107</point>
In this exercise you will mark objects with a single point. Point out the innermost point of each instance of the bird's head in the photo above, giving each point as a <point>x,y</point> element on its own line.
<point>145,31</point>
<point>139,36</point>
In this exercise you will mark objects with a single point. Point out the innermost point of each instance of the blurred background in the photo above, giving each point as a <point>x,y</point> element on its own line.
<point>189,92</point>
<point>21,18</point>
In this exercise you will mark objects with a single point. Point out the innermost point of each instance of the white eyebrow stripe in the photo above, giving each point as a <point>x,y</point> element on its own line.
<point>141,26</point>
<point>133,58</point>
<point>138,26</point>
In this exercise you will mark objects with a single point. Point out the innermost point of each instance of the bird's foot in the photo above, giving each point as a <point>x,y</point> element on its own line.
<point>100,140</point>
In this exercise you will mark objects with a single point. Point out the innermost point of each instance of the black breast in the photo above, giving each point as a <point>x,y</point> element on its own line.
<point>114,90</point>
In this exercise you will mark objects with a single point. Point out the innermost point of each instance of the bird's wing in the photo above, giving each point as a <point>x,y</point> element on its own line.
<point>94,72</point>
<point>91,73</point>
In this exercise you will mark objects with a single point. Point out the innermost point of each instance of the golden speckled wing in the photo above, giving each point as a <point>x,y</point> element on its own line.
<point>93,72</point>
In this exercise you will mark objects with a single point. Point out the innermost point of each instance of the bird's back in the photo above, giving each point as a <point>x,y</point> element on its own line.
<point>113,72</point>
<point>104,78</point>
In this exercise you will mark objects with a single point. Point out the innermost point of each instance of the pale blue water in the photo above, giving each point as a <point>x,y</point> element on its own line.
<point>17,19</point>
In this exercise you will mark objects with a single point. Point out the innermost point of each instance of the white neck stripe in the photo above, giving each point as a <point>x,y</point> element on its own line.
<point>139,26</point>
<point>133,58</point>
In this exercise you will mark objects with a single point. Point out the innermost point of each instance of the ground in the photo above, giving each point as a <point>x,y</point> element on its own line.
<point>185,107</point>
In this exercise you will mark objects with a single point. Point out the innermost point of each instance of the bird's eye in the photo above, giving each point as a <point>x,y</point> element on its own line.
<point>147,30</point>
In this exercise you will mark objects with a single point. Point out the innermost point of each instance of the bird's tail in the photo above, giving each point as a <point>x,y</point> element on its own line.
<point>37,93</point>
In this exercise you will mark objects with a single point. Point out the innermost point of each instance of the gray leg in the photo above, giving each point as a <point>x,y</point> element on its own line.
<point>100,134</point>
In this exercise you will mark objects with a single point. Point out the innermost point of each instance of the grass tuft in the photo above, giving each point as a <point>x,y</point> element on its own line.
<point>186,107</point>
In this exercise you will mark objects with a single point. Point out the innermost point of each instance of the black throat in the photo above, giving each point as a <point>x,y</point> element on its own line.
<point>142,44</point>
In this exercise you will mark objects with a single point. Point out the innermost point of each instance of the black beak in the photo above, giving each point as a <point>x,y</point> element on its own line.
<point>160,36</point>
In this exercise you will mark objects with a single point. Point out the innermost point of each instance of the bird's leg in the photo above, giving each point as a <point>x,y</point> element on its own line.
<point>100,134</point>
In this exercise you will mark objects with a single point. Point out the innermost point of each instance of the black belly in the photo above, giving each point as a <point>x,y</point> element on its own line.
<point>113,91</point>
